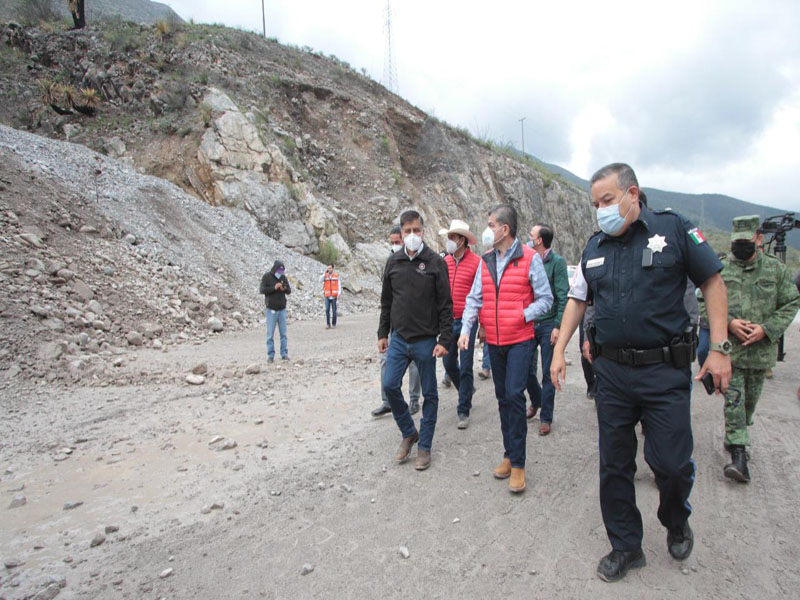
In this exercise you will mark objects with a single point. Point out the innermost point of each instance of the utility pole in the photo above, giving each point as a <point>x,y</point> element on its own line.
<point>522,127</point>
<point>263,18</point>
<point>389,67</point>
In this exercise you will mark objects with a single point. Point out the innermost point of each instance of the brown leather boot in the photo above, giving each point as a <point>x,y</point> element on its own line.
<point>517,482</point>
<point>405,448</point>
<point>503,470</point>
<point>423,460</point>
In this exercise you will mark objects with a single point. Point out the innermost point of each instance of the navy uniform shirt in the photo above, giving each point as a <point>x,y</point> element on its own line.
<point>637,281</point>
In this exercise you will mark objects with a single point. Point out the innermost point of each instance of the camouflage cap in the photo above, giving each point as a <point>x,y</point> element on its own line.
<point>744,228</point>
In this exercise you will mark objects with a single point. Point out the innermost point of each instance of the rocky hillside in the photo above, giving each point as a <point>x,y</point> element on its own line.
<point>98,258</point>
<point>137,11</point>
<point>321,155</point>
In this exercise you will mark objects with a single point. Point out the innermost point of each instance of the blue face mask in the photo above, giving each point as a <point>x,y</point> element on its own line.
<point>609,219</point>
<point>279,273</point>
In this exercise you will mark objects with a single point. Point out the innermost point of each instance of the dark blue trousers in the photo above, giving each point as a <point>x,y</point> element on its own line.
<point>660,397</point>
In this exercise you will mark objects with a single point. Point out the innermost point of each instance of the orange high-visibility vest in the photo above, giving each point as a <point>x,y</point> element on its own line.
<point>331,285</point>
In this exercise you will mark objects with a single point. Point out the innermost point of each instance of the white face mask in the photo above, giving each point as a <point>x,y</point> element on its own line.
<point>396,247</point>
<point>450,246</point>
<point>413,242</point>
<point>487,237</point>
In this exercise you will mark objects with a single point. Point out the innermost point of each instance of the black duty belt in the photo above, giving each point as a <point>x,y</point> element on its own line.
<point>635,358</point>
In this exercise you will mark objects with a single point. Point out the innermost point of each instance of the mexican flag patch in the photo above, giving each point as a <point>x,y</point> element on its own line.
<point>697,236</point>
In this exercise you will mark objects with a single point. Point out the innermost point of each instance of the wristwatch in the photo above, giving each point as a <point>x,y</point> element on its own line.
<point>724,346</point>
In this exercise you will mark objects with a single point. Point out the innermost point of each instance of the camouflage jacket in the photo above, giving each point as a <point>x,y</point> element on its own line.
<point>761,292</point>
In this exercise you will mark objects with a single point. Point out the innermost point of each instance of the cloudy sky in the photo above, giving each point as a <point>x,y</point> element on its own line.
<point>697,95</point>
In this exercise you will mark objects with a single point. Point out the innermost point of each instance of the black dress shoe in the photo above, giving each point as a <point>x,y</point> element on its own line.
<point>381,410</point>
<point>680,541</point>
<point>614,565</point>
<point>414,407</point>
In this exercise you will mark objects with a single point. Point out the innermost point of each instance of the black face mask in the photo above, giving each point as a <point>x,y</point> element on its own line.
<point>743,249</point>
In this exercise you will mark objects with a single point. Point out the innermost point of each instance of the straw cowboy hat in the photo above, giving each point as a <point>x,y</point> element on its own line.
<point>460,228</point>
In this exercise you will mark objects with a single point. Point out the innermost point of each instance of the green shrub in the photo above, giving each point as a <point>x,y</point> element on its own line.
<point>289,145</point>
<point>294,191</point>
<point>386,145</point>
<point>327,252</point>
<point>205,114</point>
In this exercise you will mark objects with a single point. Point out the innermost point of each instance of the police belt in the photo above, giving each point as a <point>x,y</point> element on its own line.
<point>680,354</point>
<point>636,358</point>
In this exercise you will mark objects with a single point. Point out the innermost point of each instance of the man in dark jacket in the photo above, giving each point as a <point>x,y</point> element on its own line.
<point>416,306</point>
<point>275,287</point>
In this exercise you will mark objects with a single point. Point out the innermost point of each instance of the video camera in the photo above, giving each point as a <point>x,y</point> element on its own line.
<point>777,227</point>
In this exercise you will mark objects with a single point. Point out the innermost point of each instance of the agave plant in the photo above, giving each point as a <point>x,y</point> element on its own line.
<point>162,28</point>
<point>66,93</point>
<point>87,102</point>
<point>48,91</point>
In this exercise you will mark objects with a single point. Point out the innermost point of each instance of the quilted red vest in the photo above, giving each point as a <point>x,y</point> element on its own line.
<point>462,274</point>
<point>502,312</point>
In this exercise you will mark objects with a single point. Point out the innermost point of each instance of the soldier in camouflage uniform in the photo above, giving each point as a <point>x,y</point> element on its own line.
<point>762,301</point>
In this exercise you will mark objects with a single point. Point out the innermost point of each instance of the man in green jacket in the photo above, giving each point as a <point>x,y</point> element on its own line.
<point>762,301</point>
<point>546,327</point>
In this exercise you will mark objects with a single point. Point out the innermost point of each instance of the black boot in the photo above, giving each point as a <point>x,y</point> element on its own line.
<point>614,565</point>
<point>680,541</point>
<point>737,469</point>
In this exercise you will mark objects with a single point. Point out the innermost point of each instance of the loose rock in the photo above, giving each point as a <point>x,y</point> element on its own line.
<point>19,500</point>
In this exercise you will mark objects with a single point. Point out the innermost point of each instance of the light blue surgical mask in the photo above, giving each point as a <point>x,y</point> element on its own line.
<point>609,219</point>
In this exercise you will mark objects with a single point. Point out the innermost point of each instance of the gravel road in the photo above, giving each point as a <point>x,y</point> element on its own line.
<point>311,487</point>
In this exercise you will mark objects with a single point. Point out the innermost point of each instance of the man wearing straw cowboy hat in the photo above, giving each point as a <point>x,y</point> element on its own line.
<point>462,264</point>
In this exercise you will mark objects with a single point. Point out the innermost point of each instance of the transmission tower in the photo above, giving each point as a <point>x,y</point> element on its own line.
<point>389,66</point>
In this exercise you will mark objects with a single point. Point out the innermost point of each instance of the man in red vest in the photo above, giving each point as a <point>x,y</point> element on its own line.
<point>510,291</point>
<point>462,264</point>
<point>330,288</point>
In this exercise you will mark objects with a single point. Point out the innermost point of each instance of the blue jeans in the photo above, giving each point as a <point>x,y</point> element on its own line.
<point>485,364</point>
<point>542,397</point>
<point>398,357</point>
<point>413,380</point>
<point>330,303</point>
<point>510,368</point>
<point>703,339</point>
<point>461,372</point>
<point>279,317</point>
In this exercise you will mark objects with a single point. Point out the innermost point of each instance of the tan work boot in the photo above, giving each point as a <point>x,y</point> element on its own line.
<point>423,460</point>
<point>517,483</point>
<point>503,470</point>
<point>405,448</point>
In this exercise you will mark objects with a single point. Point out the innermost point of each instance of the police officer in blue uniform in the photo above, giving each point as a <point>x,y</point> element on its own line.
<point>634,272</point>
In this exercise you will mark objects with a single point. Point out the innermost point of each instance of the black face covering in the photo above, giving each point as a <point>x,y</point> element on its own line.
<point>743,249</point>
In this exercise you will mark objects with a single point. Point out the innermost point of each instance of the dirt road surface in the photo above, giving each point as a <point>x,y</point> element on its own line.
<point>311,481</point>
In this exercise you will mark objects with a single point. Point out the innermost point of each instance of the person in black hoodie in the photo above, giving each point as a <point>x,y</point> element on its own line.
<point>417,307</point>
<point>275,287</point>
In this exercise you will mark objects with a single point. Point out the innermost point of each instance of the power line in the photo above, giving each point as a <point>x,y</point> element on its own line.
<point>389,66</point>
